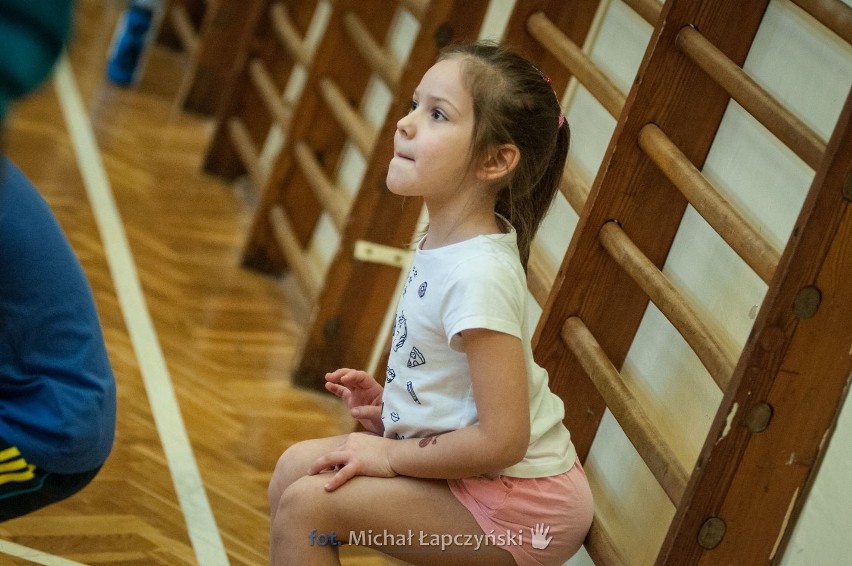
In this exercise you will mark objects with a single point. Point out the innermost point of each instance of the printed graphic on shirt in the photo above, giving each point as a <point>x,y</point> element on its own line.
<point>399,436</point>
<point>422,289</point>
<point>410,387</point>
<point>400,332</point>
<point>390,373</point>
<point>394,416</point>
<point>411,275</point>
<point>415,358</point>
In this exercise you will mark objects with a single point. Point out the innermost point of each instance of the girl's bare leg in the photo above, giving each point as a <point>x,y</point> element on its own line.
<point>401,516</point>
<point>294,463</point>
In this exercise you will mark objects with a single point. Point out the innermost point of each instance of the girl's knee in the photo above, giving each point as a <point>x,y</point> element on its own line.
<point>285,473</point>
<point>292,465</point>
<point>295,460</point>
<point>305,502</point>
<point>304,523</point>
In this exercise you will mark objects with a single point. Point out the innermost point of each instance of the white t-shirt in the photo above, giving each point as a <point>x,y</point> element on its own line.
<point>477,283</point>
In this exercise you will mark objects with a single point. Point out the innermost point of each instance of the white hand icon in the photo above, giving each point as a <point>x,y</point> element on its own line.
<point>540,540</point>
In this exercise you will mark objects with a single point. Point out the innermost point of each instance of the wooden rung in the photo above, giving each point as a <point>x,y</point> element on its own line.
<point>728,223</point>
<point>292,250</point>
<point>330,196</point>
<point>262,81</point>
<point>803,141</point>
<point>648,10</point>
<point>541,273</point>
<point>382,62</point>
<point>417,8</point>
<point>288,35</point>
<point>184,28</point>
<point>540,276</point>
<point>626,409</point>
<point>669,301</point>
<point>391,256</point>
<point>246,150</point>
<point>601,547</point>
<point>833,14</point>
<point>356,128</point>
<point>575,191</point>
<point>577,62</point>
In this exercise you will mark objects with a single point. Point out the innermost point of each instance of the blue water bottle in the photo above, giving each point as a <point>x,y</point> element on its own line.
<point>125,59</point>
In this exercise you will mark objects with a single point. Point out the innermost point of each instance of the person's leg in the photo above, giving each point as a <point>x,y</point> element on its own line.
<point>25,488</point>
<point>413,519</point>
<point>294,463</point>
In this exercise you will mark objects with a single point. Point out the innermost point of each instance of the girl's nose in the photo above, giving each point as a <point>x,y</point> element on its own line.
<point>405,125</point>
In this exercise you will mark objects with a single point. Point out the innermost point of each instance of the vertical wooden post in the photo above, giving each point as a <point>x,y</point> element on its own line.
<point>751,477</point>
<point>225,36</point>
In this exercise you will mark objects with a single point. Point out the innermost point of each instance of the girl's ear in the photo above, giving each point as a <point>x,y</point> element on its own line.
<point>500,162</point>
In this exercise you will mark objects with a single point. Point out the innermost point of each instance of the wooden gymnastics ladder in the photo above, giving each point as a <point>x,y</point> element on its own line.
<point>215,36</point>
<point>181,23</point>
<point>255,104</point>
<point>302,185</point>
<point>734,506</point>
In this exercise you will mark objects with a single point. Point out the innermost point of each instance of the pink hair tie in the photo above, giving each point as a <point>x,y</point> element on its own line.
<point>561,115</point>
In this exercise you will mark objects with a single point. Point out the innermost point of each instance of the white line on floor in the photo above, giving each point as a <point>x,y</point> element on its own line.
<point>34,556</point>
<point>203,532</point>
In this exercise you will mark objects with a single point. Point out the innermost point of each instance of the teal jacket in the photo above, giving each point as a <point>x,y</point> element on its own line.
<point>32,36</point>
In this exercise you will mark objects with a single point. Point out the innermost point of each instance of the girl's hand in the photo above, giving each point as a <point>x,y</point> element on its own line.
<point>361,393</point>
<point>361,454</point>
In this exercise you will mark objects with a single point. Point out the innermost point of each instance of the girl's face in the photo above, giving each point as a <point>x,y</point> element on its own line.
<point>432,142</point>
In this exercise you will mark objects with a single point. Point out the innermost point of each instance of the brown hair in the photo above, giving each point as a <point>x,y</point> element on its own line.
<point>514,103</point>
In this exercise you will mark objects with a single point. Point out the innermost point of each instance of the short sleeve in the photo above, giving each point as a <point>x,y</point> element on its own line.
<point>486,291</point>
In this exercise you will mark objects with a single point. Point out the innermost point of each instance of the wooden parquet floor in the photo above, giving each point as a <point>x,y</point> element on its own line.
<point>228,335</point>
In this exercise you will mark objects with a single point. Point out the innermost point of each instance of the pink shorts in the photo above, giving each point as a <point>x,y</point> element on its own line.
<point>541,521</point>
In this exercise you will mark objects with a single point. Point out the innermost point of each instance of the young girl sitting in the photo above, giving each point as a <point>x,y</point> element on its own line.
<point>465,459</point>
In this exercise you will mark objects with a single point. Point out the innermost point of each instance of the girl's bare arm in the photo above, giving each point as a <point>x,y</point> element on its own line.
<point>500,439</point>
<point>500,388</point>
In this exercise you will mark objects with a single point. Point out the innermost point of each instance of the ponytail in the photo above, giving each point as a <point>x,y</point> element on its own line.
<point>527,220</point>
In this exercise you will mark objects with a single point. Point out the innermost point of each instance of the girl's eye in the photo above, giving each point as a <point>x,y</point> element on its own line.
<point>438,115</point>
<point>412,107</point>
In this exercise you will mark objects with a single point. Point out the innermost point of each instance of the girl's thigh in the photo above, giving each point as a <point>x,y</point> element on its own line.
<point>298,457</point>
<point>416,520</point>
